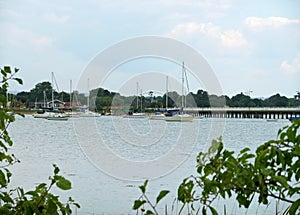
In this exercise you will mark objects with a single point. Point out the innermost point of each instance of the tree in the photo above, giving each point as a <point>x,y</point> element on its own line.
<point>277,101</point>
<point>272,172</point>
<point>37,93</point>
<point>17,201</point>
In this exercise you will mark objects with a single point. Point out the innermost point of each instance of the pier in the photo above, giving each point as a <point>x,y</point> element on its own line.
<point>256,113</point>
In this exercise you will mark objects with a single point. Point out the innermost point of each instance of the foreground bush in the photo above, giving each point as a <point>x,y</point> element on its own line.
<point>273,172</point>
<point>17,201</point>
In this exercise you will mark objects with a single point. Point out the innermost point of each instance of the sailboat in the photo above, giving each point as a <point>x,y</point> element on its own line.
<point>46,112</point>
<point>138,114</point>
<point>180,116</point>
<point>160,115</point>
<point>85,111</point>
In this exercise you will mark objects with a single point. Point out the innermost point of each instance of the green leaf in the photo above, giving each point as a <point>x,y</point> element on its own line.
<point>161,195</point>
<point>19,80</point>
<point>244,150</point>
<point>3,181</point>
<point>56,169</point>
<point>282,180</point>
<point>213,211</point>
<point>148,212</point>
<point>143,187</point>
<point>294,207</point>
<point>62,183</point>
<point>137,204</point>
<point>7,69</point>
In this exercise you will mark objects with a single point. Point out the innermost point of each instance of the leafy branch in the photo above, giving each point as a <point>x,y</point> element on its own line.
<point>144,200</point>
<point>17,201</point>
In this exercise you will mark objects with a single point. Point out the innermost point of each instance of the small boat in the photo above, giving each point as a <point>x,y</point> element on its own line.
<point>57,118</point>
<point>272,120</point>
<point>135,115</point>
<point>89,114</point>
<point>179,118</point>
<point>158,116</point>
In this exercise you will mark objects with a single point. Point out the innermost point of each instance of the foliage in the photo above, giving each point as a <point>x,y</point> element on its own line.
<point>143,200</point>
<point>17,201</point>
<point>272,172</point>
<point>101,98</point>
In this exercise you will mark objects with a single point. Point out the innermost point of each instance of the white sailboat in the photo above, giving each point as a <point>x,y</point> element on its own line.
<point>53,114</point>
<point>159,115</point>
<point>181,116</point>
<point>138,114</point>
<point>86,112</point>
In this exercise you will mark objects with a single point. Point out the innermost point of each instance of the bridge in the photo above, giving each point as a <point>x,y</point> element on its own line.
<point>248,112</point>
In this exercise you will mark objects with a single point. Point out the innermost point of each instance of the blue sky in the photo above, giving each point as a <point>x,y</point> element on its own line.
<point>251,45</point>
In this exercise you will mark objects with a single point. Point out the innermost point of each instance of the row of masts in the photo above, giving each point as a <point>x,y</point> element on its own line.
<point>183,98</point>
<point>183,91</point>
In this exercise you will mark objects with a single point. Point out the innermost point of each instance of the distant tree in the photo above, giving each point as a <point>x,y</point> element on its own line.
<point>240,100</point>
<point>23,97</point>
<point>37,93</point>
<point>173,98</point>
<point>217,101</point>
<point>276,101</point>
<point>201,98</point>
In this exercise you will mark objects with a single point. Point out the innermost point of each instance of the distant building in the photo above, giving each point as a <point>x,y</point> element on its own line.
<point>56,104</point>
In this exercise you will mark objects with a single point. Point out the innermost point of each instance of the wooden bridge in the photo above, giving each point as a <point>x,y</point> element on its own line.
<point>259,113</point>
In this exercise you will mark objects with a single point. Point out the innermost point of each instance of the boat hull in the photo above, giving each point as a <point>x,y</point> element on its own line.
<point>179,118</point>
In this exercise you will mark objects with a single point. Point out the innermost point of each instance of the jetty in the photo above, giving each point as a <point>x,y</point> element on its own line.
<point>245,112</point>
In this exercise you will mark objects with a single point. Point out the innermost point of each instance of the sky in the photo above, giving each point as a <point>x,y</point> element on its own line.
<point>252,46</point>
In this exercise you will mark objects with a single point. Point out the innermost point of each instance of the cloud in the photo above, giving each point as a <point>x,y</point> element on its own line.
<point>21,37</point>
<point>56,19</point>
<point>228,38</point>
<point>233,38</point>
<point>291,68</point>
<point>257,23</point>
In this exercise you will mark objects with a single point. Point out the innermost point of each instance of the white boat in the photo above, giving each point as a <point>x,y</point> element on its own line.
<point>59,117</point>
<point>180,116</point>
<point>158,116</point>
<point>42,114</point>
<point>135,115</point>
<point>89,114</point>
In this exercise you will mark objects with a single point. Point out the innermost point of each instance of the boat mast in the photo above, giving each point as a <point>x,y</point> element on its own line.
<point>137,95</point>
<point>182,86</point>
<point>44,92</point>
<point>70,93</point>
<point>141,100</point>
<point>88,96</point>
<point>52,92</point>
<point>167,83</point>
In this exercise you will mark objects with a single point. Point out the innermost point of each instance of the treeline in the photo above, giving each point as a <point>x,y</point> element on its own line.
<point>101,99</point>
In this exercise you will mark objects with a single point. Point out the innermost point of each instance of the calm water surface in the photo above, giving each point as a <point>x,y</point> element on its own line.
<point>105,175</point>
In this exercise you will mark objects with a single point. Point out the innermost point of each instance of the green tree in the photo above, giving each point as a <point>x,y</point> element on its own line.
<point>276,101</point>
<point>17,201</point>
<point>37,93</point>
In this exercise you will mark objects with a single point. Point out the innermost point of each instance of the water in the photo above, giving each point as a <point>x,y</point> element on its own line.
<point>107,158</point>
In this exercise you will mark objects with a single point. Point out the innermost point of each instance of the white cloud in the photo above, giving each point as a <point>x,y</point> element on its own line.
<point>291,68</point>
<point>257,23</point>
<point>227,38</point>
<point>22,37</point>
<point>233,38</point>
<point>56,19</point>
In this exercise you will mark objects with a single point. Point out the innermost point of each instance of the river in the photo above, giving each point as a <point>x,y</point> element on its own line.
<point>107,158</point>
